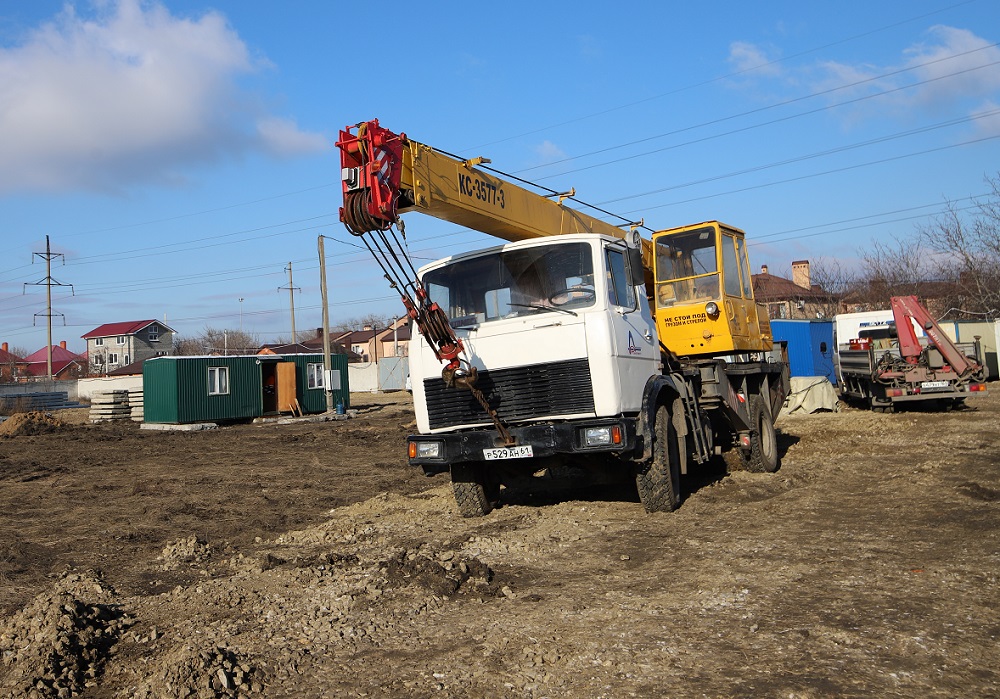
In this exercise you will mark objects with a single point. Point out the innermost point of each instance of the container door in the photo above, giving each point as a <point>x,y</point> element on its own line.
<point>286,386</point>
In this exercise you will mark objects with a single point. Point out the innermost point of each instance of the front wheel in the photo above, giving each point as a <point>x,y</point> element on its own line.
<point>763,456</point>
<point>658,481</point>
<point>475,492</point>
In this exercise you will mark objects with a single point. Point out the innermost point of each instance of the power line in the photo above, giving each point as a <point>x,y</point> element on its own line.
<point>724,77</point>
<point>811,156</point>
<point>758,125</point>
<point>800,178</point>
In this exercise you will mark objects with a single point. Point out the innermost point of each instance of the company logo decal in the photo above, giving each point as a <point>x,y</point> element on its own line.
<point>632,347</point>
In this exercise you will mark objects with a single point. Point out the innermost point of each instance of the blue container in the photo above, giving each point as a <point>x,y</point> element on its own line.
<point>810,346</point>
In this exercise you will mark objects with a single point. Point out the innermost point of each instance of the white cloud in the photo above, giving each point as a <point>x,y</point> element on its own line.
<point>753,60</point>
<point>132,94</point>
<point>948,71</point>
<point>950,83</point>
<point>548,152</point>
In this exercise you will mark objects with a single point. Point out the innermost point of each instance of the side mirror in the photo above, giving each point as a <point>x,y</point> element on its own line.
<point>636,274</point>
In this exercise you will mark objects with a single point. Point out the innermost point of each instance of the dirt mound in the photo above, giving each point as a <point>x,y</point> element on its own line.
<point>58,644</point>
<point>189,549</point>
<point>188,672</point>
<point>20,424</point>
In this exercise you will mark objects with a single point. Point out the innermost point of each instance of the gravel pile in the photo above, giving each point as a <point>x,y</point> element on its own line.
<point>187,673</point>
<point>57,645</point>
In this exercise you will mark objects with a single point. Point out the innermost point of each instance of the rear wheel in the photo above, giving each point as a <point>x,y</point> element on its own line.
<point>476,493</point>
<point>763,456</point>
<point>658,481</point>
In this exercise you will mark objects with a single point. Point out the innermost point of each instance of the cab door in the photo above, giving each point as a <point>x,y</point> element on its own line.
<point>633,333</point>
<point>740,311</point>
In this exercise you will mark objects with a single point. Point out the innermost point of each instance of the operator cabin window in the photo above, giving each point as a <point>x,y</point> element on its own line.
<point>686,267</point>
<point>314,376</point>
<point>218,380</point>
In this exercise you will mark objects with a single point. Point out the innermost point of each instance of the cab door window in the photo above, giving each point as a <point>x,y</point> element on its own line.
<point>620,291</point>
<point>741,250</point>
<point>731,266</point>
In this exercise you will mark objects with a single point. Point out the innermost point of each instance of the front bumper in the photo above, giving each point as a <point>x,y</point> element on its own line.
<point>545,439</point>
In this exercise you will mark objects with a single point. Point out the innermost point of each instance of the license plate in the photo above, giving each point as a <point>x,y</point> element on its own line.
<point>934,384</point>
<point>520,452</point>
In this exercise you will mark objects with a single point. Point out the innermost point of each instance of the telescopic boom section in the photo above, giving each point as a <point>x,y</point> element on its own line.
<point>906,307</point>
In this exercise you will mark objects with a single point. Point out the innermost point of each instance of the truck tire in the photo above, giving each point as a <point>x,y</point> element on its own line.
<point>658,481</point>
<point>763,456</point>
<point>475,492</point>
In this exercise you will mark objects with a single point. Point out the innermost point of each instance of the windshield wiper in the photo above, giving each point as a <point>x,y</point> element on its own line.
<point>543,308</point>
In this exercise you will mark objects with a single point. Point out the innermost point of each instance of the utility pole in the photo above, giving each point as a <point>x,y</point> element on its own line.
<point>49,282</point>
<point>241,315</point>
<point>327,362</point>
<point>291,297</point>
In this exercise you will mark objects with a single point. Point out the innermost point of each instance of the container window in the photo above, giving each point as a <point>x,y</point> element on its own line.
<point>314,375</point>
<point>218,380</point>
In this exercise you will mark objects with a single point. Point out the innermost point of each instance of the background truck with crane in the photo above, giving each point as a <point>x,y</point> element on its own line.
<point>886,358</point>
<point>576,339</point>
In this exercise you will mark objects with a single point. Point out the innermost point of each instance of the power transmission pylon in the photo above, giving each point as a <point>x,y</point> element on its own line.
<point>291,297</point>
<point>49,282</point>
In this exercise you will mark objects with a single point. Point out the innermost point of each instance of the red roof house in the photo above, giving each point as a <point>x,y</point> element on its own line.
<point>114,345</point>
<point>11,366</point>
<point>65,364</point>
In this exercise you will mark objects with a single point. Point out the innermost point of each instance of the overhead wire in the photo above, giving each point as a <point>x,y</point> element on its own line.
<point>733,74</point>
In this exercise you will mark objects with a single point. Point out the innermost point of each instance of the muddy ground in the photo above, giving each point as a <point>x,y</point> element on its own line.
<point>308,560</point>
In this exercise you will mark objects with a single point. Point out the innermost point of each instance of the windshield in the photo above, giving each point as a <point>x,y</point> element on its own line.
<point>686,267</point>
<point>545,278</point>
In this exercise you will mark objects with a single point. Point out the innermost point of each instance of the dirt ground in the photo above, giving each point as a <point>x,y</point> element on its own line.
<point>308,560</point>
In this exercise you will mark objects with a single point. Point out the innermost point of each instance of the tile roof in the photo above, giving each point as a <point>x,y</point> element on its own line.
<point>768,287</point>
<point>8,358</point>
<point>128,327</point>
<point>38,362</point>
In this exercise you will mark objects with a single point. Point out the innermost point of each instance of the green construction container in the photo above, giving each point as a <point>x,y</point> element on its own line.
<point>201,389</point>
<point>178,390</point>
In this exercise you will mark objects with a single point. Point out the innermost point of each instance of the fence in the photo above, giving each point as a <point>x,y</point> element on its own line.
<point>388,375</point>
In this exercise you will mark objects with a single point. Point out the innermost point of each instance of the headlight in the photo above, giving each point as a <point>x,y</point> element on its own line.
<point>601,436</point>
<point>425,450</point>
<point>712,309</point>
<point>595,436</point>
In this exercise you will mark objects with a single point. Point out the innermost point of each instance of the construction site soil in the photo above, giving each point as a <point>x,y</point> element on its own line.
<point>309,560</point>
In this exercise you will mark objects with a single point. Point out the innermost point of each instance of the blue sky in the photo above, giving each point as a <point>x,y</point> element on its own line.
<point>180,154</point>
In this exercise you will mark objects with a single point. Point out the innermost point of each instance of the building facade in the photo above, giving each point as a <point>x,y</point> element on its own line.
<point>114,345</point>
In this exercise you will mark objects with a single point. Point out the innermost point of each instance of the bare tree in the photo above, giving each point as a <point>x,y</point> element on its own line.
<point>966,254</point>
<point>898,268</point>
<point>12,368</point>
<point>836,281</point>
<point>188,346</point>
<point>218,341</point>
<point>378,321</point>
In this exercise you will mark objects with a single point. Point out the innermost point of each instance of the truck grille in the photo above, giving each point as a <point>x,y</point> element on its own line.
<point>522,393</point>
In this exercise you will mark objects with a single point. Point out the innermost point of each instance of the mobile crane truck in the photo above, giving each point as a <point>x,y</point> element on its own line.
<point>881,359</point>
<point>576,338</point>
